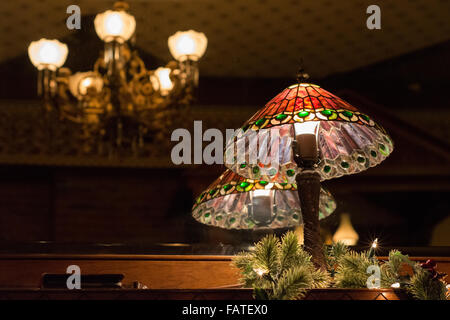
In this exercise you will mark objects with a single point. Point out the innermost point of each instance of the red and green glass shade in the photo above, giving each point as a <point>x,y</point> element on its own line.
<point>349,141</point>
<point>229,202</point>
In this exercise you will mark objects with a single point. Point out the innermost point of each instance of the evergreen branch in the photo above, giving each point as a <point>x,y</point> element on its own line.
<point>352,270</point>
<point>267,255</point>
<point>289,248</point>
<point>302,258</point>
<point>320,279</point>
<point>338,250</point>
<point>391,269</point>
<point>292,284</point>
<point>424,287</point>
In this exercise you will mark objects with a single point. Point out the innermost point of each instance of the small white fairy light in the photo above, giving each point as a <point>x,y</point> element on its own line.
<point>372,248</point>
<point>375,243</point>
<point>260,271</point>
<point>395,285</point>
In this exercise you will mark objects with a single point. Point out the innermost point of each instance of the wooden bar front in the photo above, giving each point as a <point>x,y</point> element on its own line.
<point>153,271</point>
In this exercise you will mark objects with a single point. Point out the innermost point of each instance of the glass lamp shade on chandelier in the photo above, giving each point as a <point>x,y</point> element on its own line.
<point>235,202</point>
<point>120,91</point>
<point>325,137</point>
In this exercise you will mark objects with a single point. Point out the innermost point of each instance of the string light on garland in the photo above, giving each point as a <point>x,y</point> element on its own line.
<point>373,247</point>
<point>260,271</point>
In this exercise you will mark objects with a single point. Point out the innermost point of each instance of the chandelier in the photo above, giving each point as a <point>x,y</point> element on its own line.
<point>120,104</point>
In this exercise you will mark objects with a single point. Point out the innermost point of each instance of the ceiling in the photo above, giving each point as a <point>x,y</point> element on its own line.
<point>251,38</point>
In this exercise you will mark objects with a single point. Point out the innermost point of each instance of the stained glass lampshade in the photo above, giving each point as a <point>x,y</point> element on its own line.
<point>304,135</point>
<point>234,202</point>
<point>349,141</point>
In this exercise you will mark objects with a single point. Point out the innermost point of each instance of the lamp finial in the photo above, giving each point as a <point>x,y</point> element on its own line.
<point>301,73</point>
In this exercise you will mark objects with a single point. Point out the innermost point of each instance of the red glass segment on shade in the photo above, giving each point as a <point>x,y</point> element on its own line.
<point>310,99</point>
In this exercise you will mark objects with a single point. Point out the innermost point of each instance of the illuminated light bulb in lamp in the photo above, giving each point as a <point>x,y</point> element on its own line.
<point>346,233</point>
<point>261,208</point>
<point>261,192</point>
<point>161,80</point>
<point>187,45</point>
<point>114,25</point>
<point>47,54</point>
<point>307,127</point>
<point>306,137</point>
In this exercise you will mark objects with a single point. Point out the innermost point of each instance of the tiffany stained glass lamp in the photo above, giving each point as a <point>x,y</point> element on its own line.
<point>321,137</point>
<point>234,202</point>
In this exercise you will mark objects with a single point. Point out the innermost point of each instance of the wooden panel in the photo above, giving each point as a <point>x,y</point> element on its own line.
<point>24,208</point>
<point>154,271</point>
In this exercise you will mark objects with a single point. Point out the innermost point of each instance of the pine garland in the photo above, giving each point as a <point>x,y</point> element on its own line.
<point>282,270</point>
<point>352,270</point>
<point>279,270</point>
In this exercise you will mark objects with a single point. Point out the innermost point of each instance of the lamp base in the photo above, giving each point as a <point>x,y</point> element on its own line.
<point>308,187</point>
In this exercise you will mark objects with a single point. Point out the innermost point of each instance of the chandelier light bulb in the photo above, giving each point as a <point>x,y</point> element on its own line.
<point>114,25</point>
<point>187,45</point>
<point>80,82</point>
<point>47,54</point>
<point>85,83</point>
<point>161,80</point>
